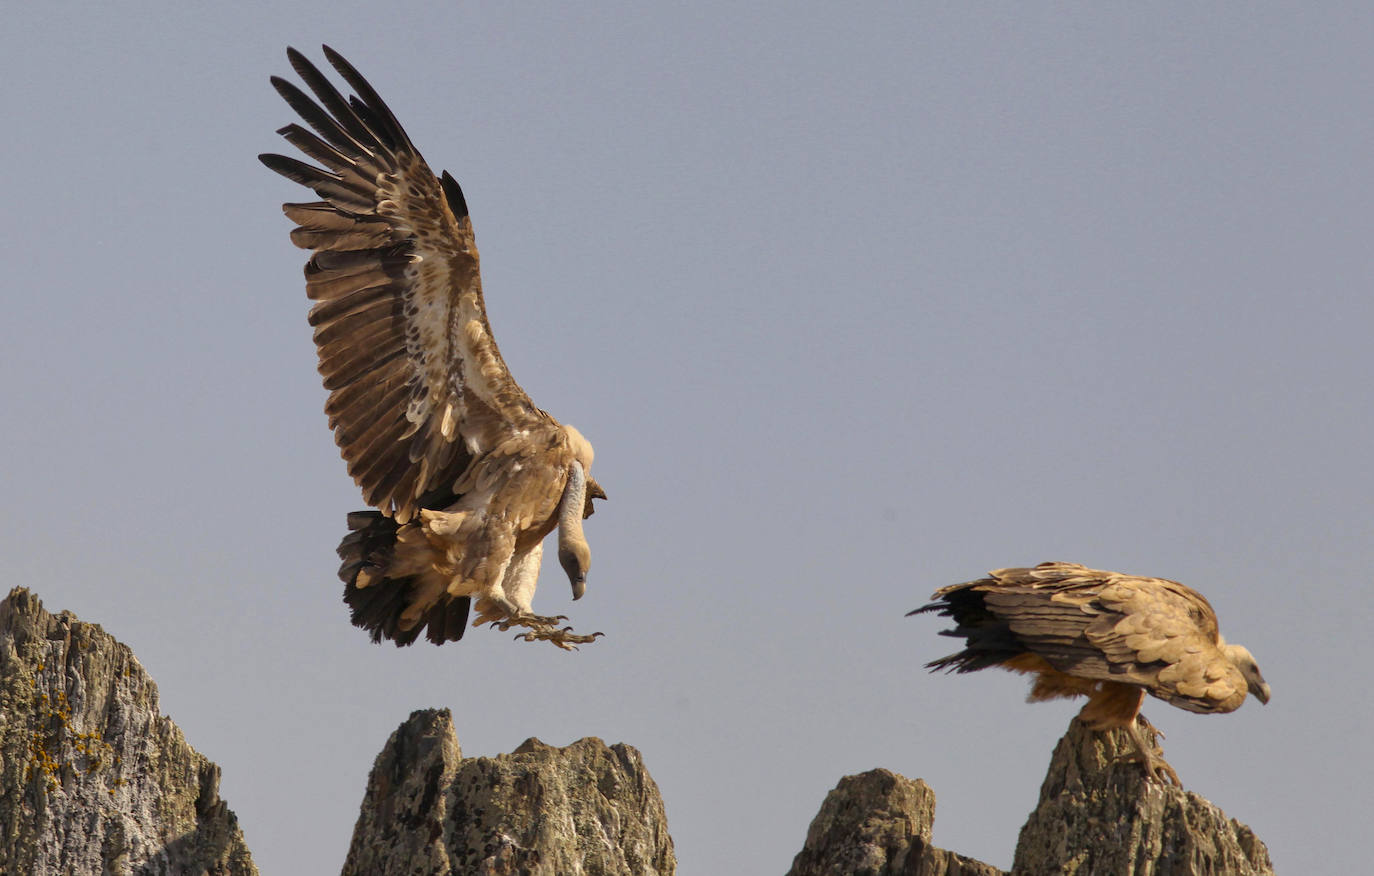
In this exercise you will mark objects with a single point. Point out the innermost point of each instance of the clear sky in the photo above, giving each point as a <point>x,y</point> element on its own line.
<point>854,302</point>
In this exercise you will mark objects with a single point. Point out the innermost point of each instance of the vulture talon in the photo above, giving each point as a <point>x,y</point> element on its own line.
<point>563,637</point>
<point>1156,768</point>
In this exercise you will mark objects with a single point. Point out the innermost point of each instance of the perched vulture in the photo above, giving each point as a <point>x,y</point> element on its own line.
<point>466,474</point>
<point>1104,635</point>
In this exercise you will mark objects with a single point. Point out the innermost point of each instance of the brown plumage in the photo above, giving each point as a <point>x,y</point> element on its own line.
<point>467,474</point>
<point>1104,635</point>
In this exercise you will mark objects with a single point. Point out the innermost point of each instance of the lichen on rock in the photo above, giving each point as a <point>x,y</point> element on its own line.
<point>94,778</point>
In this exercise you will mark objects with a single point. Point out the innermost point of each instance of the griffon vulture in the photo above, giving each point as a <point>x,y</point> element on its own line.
<point>1104,635</point>
<point>466,474</point>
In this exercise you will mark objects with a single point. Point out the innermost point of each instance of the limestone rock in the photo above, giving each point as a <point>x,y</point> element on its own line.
<point>879,823</point>
<point>584,809</point>
<point>1098,814</point>
<point>94,778</point>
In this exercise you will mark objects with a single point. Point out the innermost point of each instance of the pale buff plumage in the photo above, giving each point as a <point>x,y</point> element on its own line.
<point>467,474</point>
<point>1104,635</point>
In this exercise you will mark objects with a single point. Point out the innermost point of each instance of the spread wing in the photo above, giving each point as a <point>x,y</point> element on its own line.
<point>418,390</point>
<point>1097,625</point>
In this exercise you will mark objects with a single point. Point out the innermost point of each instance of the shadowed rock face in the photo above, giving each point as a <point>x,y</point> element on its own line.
<point>94,779</point>
<point>1098,814</point>
<point>879,824</point>
<point>583,809</point>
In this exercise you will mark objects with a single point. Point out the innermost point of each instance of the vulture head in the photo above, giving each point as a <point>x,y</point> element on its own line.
<point>1242,659</point>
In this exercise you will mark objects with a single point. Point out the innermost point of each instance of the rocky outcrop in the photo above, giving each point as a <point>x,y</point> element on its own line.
<point>94,778</point>
<point>879,824</point>
<point>583,809</point>
<point>1098,814</point>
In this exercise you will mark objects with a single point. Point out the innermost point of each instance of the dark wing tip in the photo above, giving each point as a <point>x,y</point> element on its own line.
<point>298,59</point>
<point>287,89</point>
<point>333,56</point>
<point>282,164</point>
<point>379,113</point>
<point>453,193</point>
<point>291,168</point>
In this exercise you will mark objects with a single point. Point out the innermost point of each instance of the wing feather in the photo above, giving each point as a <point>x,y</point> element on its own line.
<point>386,470</point>
<point>378,449</point>
<point>382,335</point>
<point>372,102</point>
<point>325,154</point>
<point>394,470</point>
<point>348,407</point>
<point>355,364</point>
<point>320,228</point>
<point>339,114</point>
<point>367,417</point>
<point>324,124</point>
<point>346,323</point>
<point>352,194</point>
<point>365,298</point>
<point>418,387</point>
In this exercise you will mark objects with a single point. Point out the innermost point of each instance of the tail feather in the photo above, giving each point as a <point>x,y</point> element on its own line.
<point>377,605</point>
<point>988,641</point>
<point>449,620</point>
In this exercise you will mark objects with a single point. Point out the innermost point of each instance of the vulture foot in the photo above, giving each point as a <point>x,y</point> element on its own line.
<point>564,638</point>
<point>540,628</point>
<point>1151,757</point>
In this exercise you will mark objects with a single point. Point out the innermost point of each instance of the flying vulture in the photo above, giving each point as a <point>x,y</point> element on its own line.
<point>466,474</point>
<point>1104,635</point>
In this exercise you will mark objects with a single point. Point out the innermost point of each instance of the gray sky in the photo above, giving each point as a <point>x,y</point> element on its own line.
<point>852,305</point>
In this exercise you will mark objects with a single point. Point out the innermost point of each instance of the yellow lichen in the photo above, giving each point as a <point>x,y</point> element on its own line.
<point>55,735</point>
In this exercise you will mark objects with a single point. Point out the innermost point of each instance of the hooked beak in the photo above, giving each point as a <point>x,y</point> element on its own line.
<point>579,587</point>
<point>1261,693</point>
<point>594,491</point>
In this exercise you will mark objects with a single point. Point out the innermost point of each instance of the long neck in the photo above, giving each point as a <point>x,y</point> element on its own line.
<point>570,508</point>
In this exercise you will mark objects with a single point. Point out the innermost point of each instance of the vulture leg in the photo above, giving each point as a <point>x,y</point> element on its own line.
<point>525,619</point>
<point>1114,704</point>
<point>508,606</point>
<point>1150,756</point>
<point>504,614</point>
